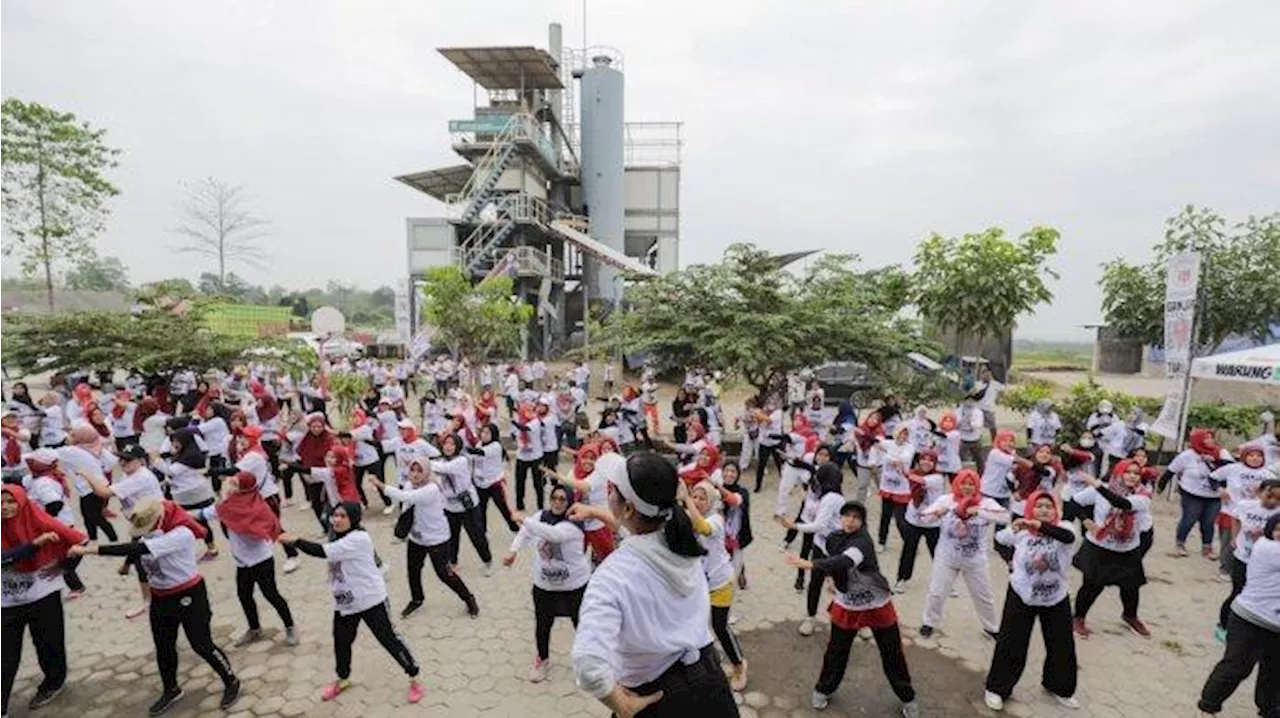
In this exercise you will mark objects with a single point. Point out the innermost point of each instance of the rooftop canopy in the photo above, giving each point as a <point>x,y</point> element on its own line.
<point>506,68</point>
<point>440,182</point>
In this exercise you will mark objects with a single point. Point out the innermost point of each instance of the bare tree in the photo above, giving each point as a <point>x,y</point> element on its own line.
<point>217,224</point>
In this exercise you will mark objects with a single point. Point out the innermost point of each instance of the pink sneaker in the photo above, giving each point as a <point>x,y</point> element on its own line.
<point>136,611</point>
<point>332,690</point>
<point>209,556</point>
<point>416,691</point>
<point>73,595</point>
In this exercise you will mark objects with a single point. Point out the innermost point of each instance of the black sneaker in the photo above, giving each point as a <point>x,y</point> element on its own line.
<point>799,585</point>
<point>166,701</point>
<point>926,631</point>
<point>410,608</point>
<point>45,696</point>
<point>230,694</point>
<point>473,608</point>
<point>993,635</point>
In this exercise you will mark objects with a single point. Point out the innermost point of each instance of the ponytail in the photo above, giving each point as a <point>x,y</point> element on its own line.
<point>681,539</point>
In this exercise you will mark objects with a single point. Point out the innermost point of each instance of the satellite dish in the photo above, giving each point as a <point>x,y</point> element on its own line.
<point>328,321</point>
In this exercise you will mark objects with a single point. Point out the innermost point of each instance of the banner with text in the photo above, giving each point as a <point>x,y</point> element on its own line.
<point>1181,283</point>
<point>403,327</point>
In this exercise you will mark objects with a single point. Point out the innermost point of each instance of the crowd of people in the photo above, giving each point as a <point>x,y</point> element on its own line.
<point>641,542</point>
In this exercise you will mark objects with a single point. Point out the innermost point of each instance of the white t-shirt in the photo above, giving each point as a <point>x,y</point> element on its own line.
<point>772,428</point>
<point>935,486</point>
<point>949,453</point>
<point>1242,482</point>
<point>47,490</point>
<point>961,542</point>
<point>529,441</point>
<point>455,482</point>
<point>246,551</point>
<point>430,527</point>
<point>827,520</point>
<point>122,426</point>
<point>1261,594</point>
<point>172,558</point>
<point>53,428</point>
<point>354,578</point>
<point>560,557</point>
<point>1102,509</point>
<point>989,396</point>
<point>76,462</point>
<point>995,474</point>
<point>550,433</point>
<point>132,488</point>
<point>895,461</point>
<point>1044,427</point>
<point>20,588</point>
<point>256,464</point>
<point>716,563</point>
<point>216,436</point>
<point>1039,565</point>
<point>969,422</point>
<point>1253,517</point>
<point>1193,474</point>
<point>488,469</point>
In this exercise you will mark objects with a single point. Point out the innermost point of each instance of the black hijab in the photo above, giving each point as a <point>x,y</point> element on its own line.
<point>828,478</point>
<point>191,454</point>
<point>868,570</point>
<point>354,513</point>
<point>549,516</point>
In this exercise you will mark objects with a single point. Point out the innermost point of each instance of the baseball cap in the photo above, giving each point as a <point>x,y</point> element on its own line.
<point>133,451</point>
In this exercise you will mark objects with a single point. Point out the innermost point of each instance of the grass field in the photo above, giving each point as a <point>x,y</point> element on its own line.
<point>1031,355</point>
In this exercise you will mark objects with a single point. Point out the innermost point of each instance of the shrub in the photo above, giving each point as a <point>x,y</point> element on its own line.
<point>1023,397</point>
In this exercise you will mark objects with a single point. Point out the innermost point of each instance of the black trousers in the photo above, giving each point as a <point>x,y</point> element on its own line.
<point>762,459</point>
<point>893,660</point>
<point>379,622</point>
<point>498,494</point>
<point>469,520</point>
<point>1248,645</point>
<point>208,530</point>
<point>891,511</point>
<point>262,575</point>
<point>70,575</point>
<point>440,564</point>
<point>216,463</point>
<point>48,634</point>
<point>816,580</point>
<point>91,507</point>
<point>549,605</point>
<point>1238,569</point>
<point>274,503</point>
<point>1010,658</point>
<point>724,634</point>
<point>911,535</point>
<point>315,497</point>
<point>523,469</point>
<point>188,610</point>
<point>699,689</point>
<point>379,470</point>
<point>286,479</point>
<point>1089,593</point>
<point>273,464</point>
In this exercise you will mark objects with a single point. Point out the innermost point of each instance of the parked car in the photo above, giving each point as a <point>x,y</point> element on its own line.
<point>841,381</point>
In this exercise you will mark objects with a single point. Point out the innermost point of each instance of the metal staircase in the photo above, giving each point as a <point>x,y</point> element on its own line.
<point>478,248</point>
<point>478,191</point>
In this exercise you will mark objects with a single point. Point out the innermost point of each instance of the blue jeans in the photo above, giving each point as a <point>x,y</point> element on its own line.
<point>1197,509</point>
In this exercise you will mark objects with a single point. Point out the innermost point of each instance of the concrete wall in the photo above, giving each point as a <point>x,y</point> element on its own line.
<point>431,243</point>
<point>1113,354</point>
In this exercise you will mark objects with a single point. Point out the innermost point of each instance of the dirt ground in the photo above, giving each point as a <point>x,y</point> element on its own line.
<point>946,688</point>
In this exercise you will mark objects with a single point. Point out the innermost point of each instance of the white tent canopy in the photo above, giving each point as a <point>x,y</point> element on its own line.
<point>1259,365</point>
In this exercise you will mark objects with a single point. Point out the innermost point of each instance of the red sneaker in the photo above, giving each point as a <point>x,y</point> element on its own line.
<point>1081,630</point>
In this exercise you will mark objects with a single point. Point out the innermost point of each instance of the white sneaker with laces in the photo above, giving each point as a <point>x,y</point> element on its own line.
<point>993,701</point>
<point>734,618</point>
<point>538,673</point>
<point>290,565</point>
<point>488,569</point>
<point>389,510</point>
<point>900,587</point>
<point>819,701</point>
<point>911,710</point>
<point>806,627</point>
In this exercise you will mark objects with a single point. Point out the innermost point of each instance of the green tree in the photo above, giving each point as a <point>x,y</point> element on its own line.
<point>98,274</point>
<point>979,284</point>
<point>749,318</point>
<point>474,321</point>
<point>217,224</point>
<point>1240,264</point>
<point>152,340</point>
<point>55,189</point>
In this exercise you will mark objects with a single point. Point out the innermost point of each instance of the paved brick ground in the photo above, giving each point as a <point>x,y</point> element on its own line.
<point>478,667</point>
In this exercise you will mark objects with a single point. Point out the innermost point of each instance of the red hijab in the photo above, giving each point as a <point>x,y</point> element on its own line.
<point>147,408</point>
<point>83,395</point>
<point>587,452</point>
<point>871,431</point>
<point>313,447</point>
<point>703,466</point>
<point>123,398</point>
<point>254,435</point>
<point>12,447</point>
<point>246,512</point>
<point>175,516</point>
<point>918,489</point>
<point>267,405</point>
<point>32,521</point>
<point>1119,523</point>
<point>1203,443</point>
<point>964,503</point>
<point>1028,509</point>
<point>527,414</point>
<point>343,474</point>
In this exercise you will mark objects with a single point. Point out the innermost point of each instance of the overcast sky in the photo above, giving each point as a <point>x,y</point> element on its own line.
<point>857,127</point>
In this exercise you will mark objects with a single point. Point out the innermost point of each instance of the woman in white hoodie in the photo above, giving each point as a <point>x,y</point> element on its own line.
<point>644,640</point>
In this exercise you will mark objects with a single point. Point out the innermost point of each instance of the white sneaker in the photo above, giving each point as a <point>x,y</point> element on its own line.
<point>1066,701</point>
<point>993,701</point>
<point>881,548</point>
<point>819,701</point>
<point>290,565</point>
<point>488,569</point>
<point>389,510</point>
<point>806,627</point>
<point>900,587</point>
<point>304,506</point>
<point>538,673</point>
<point>784,547</point>
<point>734,618</point>
<point>911,710</point>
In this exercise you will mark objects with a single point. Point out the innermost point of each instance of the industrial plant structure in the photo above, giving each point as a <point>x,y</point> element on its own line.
<point>557,190</point>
